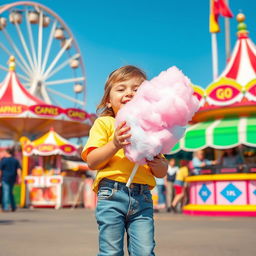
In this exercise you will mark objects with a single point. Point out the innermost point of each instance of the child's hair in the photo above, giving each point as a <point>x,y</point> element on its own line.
<point>119,75</point>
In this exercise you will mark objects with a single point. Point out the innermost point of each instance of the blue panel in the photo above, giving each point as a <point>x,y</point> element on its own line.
<point>231,192</point>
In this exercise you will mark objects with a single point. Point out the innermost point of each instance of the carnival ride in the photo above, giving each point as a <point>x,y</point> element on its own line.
<point>48,58</point>
<point>36,97</point>
<point>45,83</point>
<point>226,119</point>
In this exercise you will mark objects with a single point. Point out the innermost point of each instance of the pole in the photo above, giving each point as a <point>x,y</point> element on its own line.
<point>23,184</point>
<point>227,35</point>
<point>214,56</point>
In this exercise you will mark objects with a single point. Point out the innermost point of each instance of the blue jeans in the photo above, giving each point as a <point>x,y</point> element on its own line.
<point>121,209</point>
<point>161,194</point>
<point>7,196</point>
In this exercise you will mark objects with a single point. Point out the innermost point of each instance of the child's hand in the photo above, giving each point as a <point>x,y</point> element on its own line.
<point>121,135</point>
<point>159,166</point>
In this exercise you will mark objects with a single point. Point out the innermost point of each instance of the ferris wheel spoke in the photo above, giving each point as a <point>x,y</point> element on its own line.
<point>24,45</point>
<point>40,39</point>
<point>31,40</point>
<point>16,49</point>
<point>64,96</point>
<point>17,62</point>
<point>62,65</point>
<point>19,75</point>
<point>48,47</point>
<point>60,53</point>
<point>4,68</point>
<point>40,58</point>
<point>64,81</point>
<point>45,95</point>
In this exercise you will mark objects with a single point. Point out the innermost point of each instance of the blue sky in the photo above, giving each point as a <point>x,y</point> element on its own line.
<point>153,35</point>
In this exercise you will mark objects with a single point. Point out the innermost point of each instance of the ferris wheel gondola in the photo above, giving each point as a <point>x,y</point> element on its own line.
<point>48,60</point>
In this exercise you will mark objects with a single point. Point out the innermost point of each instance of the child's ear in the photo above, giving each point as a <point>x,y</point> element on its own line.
<point>108,105</point>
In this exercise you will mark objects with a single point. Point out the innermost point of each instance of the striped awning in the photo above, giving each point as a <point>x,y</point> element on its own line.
<point>219,134</point>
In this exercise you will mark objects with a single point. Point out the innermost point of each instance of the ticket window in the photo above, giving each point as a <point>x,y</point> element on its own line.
<point>52,164</point>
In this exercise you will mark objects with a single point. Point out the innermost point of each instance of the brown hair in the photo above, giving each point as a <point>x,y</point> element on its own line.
<point>119,75</point>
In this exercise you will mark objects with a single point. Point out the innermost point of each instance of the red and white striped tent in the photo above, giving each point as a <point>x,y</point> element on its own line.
<point>227,116</point>
<point>22,114</point>
<point>242,64</point>
<point>13,92</point>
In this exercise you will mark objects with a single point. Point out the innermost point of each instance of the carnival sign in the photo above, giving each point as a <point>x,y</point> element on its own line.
<point>67,148</point>
<point>200,94</point>
<point>28,149</point>
<point>250,93</point>
<point>12,109</point>
<point>76,114</point>
<point>224,92</point>
<point>45,148</point>
<point>46,110</point>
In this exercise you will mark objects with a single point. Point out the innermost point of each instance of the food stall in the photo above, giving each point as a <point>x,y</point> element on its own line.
<point>24,114</point>
<point>52,180</point>
<point>226,119</point>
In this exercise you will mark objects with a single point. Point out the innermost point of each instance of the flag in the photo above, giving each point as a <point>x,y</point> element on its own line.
<point>218,7</point>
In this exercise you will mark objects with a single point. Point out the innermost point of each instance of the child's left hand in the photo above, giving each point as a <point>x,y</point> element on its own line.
<point>159,166</point>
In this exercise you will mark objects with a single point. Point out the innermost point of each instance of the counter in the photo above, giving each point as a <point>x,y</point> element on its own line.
<point>222,195</point>
<point>53,191</point>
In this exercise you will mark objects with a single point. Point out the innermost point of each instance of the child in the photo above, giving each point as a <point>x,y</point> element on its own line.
<point>180,185</point>
<point>161,203</point>
<point>170,178</point>
<point>120,208</point>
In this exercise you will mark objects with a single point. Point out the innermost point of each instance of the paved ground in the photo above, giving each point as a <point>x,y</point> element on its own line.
<point>66,232</point>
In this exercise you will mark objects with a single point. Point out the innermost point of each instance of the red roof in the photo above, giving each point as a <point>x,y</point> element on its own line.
<point>242,64</point>
<point>13,92</point>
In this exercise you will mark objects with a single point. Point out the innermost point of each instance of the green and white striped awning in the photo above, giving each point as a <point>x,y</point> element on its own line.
<point>219,134</point>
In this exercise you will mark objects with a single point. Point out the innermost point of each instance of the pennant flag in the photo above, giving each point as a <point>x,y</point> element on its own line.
<point>218,7</point>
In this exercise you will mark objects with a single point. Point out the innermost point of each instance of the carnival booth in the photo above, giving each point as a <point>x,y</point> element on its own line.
<point>52,180</point>
<point>226,119</point>
<point>23,114</point>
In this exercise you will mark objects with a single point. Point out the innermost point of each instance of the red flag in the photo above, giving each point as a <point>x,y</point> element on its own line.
<point>224,9</point>
<point>218,7</point>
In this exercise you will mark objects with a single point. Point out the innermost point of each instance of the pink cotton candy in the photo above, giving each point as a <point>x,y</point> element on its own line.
<point>158,114</point>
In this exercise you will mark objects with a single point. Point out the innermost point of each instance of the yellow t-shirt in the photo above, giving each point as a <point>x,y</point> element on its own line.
<point>182,173</point>
<point>119,167</point>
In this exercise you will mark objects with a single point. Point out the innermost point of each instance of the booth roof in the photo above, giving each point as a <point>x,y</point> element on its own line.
<point>219,134</point>
<point>50,144</point>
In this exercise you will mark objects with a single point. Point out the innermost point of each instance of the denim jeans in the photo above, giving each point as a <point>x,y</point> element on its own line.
<point>161,194</point>
<point>121,209</point>
<point>7,196</point>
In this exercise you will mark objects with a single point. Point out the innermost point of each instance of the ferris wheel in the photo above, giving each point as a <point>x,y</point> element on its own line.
<point>48,60</point>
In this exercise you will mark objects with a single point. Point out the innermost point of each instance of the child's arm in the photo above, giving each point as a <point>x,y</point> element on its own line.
<point>159,166</point>
<point>99,157</point>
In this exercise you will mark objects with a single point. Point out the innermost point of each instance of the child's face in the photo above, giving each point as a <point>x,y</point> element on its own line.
<point>172,162</point>
<point>122,92</point>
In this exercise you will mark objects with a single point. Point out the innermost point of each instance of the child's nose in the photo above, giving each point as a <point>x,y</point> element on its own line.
<point>130,92</point>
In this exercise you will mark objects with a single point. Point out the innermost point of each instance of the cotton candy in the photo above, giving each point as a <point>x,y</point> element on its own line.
<point>158,115</point>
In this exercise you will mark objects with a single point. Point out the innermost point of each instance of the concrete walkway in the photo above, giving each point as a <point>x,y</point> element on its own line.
<point>66,232</point>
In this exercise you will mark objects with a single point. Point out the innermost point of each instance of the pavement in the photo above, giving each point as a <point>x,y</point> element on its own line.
<point>67,232</point>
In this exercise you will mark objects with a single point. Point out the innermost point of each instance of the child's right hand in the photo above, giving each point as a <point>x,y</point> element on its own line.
<point>121,135</point>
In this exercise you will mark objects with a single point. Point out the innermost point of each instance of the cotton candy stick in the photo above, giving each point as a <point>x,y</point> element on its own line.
<point>134,170</point>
